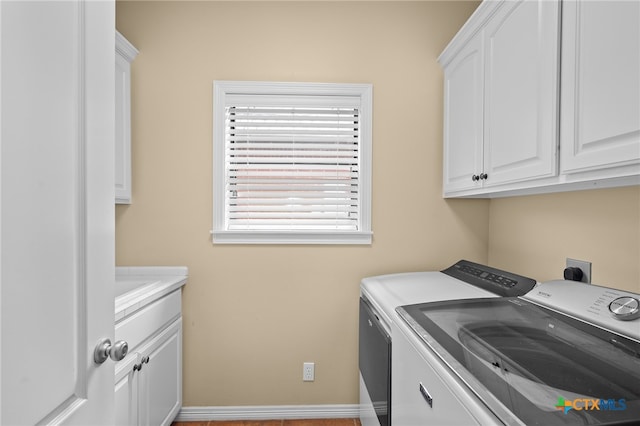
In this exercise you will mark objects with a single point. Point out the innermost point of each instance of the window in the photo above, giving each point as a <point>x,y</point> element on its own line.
<point>292,163</point>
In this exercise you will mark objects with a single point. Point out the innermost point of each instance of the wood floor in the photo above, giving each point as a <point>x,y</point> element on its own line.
<point>287,422</point>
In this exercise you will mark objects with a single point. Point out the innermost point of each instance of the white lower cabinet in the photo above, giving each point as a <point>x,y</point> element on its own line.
<point>148,382</point>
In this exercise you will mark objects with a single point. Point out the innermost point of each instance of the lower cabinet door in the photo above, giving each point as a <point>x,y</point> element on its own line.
<point>160,394</point>
<point>126,391</point>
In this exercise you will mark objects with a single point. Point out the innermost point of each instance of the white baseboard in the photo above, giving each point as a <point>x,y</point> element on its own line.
<point>269,412</point>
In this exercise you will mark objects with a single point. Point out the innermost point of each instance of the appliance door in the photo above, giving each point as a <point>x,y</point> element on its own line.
<point>375,362</point>
<point>535,364</point>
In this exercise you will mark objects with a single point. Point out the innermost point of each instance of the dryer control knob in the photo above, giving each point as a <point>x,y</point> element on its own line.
<point>625,308</point>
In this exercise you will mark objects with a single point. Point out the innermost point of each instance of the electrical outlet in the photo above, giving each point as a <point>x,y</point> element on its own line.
<point>308,372</point>
<point>584,266</point>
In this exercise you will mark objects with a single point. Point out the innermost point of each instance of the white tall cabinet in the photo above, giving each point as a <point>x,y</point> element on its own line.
<point>542,96</point>
<point>125,54</point>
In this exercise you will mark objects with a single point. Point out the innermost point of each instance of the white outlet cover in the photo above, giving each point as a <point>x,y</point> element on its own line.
<point>308,372</point>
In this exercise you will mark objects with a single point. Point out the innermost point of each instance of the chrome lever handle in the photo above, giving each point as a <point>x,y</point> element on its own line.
<point>104,349</point>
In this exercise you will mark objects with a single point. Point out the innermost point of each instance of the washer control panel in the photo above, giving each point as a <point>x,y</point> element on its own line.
<point>613,309</point>
<point>497,281</point>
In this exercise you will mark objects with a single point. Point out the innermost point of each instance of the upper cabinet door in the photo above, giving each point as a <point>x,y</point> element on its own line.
<point>463,91</point>
<point>521,91</point>
<point>600,117</point>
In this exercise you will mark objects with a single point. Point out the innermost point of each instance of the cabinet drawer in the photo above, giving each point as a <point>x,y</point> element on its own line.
<point>142,324</point>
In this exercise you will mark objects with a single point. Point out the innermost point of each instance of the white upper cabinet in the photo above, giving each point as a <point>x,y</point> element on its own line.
<point>600,116</point>
<point>525,80</point>
<point>501,96</point>
<point>125,54</point>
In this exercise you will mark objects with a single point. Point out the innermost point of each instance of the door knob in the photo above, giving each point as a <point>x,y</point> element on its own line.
<point>105,349</point>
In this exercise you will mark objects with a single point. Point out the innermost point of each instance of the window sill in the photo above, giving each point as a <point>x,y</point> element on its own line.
<point>292,237</point>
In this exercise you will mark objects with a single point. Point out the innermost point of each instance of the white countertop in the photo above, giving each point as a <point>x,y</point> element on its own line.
<point>137,286</point>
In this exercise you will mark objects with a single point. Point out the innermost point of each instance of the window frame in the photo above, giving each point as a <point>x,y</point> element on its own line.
<point>224,89</point>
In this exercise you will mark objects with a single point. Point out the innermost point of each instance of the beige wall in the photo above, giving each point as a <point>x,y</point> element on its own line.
<point>253,314</point>
<point>534,235</point>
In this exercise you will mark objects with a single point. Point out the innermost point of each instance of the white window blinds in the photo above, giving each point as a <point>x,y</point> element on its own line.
<point>293,168</point>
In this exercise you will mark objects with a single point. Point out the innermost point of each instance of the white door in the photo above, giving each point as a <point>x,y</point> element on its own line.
<point>57,212</point>
<point>521,92</point>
